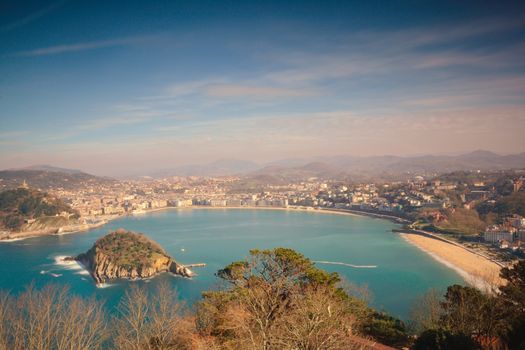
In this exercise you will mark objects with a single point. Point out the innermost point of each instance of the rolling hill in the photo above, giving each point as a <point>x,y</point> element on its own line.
<point>47,179</point>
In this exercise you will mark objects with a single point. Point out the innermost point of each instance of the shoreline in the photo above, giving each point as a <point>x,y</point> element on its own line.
<point>290,208</point>
<point>475,269</point>
<point>332,211</point>
<point>466,263</point>
<point>19,236</point>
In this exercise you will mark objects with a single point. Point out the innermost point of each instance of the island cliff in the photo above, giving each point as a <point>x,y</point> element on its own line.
<point>126,254</point>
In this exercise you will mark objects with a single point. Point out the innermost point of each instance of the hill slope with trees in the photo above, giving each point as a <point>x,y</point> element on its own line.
<point>20,205</point>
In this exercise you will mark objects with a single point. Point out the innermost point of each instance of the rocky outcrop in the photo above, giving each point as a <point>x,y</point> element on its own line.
<point>125,254</point>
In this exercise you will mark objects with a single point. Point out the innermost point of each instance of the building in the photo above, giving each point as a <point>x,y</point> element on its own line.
<point>494,236</point>
<point>179,203</point>
<point>520,235</point>
<point>218,202</point>
<point>233,203</point>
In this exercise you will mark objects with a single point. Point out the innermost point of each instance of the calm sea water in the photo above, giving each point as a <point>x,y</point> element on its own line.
<point>218,237</point>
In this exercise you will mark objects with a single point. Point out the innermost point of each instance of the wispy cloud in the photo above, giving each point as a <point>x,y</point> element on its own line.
<point>84,46</point>
<point>233,90</point>
<point>32,17</point>
<point>12,138</point>
<point>256,87</point>
<point>102,123</point>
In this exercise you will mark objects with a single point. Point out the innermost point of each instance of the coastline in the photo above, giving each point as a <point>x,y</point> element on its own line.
<point>290,208</point>
<point>55,231</point>
<point>475,269</point>
<point>19,236</point>
<point>331,211</point>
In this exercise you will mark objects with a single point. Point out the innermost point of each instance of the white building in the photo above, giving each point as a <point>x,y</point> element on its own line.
<point>496,236</point>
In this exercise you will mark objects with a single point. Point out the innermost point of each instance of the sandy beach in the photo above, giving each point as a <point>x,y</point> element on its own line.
<point>476,270</point>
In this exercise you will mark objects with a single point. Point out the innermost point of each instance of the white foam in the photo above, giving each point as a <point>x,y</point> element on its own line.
<point>345,264</point>
<point>72,265</point>
<point>67,264</point>
<point>56,274</point>
<point>14,239</point>
<point>103,285</point>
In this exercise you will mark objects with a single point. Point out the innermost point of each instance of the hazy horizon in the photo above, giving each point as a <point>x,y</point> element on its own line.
<point>283,162</point>
<point>113,89</point>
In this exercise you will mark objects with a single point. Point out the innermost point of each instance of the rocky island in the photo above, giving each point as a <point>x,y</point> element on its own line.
<point>130,255</point>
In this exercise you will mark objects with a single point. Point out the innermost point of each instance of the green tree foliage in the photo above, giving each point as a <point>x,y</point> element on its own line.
<point>467,310</point>
<point>505,206</point>
<point>386,329</point>
<point>20,204</point>
<point>504,186</point>
<point>489,320</point>
<point>513,204</point>
<point>513,294</point>
<point>127,249</point>
<point>440,339</point>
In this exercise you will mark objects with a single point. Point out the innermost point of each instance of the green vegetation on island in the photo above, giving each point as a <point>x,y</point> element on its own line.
<point>126,254</point>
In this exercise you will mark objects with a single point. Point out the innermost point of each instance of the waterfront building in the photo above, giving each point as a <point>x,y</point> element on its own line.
<point>233,202</point>
<point>494,236</point>
<point>218,202</point>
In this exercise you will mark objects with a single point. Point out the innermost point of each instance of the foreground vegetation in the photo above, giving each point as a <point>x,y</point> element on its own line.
<point>276,299</point>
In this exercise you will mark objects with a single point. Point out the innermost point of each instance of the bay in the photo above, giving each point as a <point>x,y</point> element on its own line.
<point>219,236</point>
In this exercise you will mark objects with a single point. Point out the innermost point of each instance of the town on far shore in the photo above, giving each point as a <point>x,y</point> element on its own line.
<point>482,210</point>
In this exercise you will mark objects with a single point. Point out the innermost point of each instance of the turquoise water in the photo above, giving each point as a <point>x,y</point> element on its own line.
<point>218,237</point>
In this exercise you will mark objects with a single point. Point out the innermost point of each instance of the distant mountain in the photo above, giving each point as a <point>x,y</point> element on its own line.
<point>218,168</point>
<point>344,167</point>
<point>297,173</point>
<point>44,180</point>
<point>44,167</point>
<point>340,167</point>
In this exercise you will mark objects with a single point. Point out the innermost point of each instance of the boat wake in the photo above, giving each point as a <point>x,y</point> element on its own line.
<point>345,264</point>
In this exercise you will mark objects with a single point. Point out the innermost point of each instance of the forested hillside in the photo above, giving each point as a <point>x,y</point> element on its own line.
<point>22,204</point>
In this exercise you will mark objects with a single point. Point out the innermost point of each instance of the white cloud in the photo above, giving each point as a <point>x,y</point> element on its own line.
<point>83,46</point>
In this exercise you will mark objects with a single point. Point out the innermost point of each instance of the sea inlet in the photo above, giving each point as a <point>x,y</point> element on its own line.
<point>363,250</point>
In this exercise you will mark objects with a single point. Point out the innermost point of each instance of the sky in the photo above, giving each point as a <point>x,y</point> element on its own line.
<point>114,87</point>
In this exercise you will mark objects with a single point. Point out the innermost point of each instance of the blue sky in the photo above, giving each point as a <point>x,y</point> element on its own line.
<point>113,87</point>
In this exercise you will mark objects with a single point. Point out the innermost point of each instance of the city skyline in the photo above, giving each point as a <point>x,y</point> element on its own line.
<point>111,89</point>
